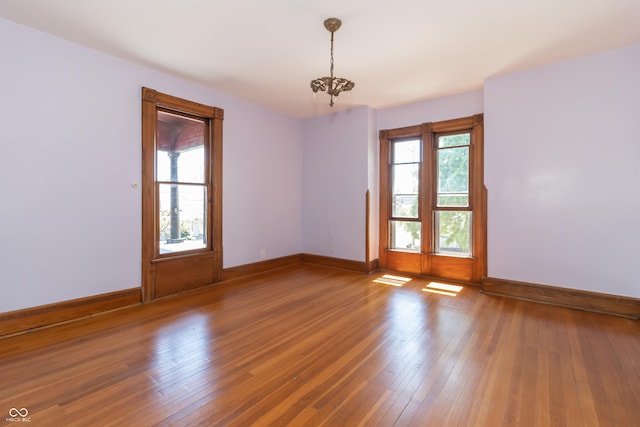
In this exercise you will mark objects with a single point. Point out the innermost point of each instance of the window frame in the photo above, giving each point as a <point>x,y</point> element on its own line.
<point>207,184</point>
<point>435,149</point>
<point>427,262</point>
<point>392,163</point>
<point>164,274</point>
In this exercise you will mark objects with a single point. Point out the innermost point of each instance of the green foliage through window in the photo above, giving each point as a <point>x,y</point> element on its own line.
<point>454,232</point>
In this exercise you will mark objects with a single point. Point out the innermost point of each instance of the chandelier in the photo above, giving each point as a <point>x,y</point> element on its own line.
<point>333,86</point>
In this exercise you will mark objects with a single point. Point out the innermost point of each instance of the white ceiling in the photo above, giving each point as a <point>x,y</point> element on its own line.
<point>267,51</point>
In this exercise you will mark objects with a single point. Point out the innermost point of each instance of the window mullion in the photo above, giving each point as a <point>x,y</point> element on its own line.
<point>427,190</point>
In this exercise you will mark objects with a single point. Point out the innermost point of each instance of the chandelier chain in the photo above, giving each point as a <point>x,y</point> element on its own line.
<point>331,70</point>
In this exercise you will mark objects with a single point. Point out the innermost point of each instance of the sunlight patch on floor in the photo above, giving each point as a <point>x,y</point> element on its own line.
<point>389,279</point>
<point>442,289</point>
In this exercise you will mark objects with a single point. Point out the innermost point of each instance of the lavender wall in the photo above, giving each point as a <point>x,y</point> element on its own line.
<point>335,181</point>
<point>71,125</point>
<point>432,110</point>
<point>561,167</point>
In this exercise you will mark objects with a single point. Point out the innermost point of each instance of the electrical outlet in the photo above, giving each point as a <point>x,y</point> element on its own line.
<point>263,254</point>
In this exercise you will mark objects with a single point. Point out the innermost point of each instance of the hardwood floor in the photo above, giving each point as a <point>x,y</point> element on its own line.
<point>315,346</point>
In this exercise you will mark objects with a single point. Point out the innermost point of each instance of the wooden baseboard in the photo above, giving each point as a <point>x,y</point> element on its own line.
<point>240,271</point>
<point>372,266</point>
<point>29,318</point>
<point>35,317</point>
<point>572,298</point>
<point>343,264</point>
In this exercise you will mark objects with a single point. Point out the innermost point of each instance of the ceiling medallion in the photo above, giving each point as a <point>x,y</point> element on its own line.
<point>333,86</point>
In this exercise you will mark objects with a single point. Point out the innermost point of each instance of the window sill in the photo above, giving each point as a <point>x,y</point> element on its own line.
<point>446,255</point>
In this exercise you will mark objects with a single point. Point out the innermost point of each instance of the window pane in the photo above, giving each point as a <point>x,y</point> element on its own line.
<point>405,206</point>
<point>405,179</point>
<point>453,232</point>
<point>454,140</point>
<point>180,148</point>
<point>406,151</point>
<point>453,200</point>
<point>404,235</point>
<point>405,190</point>
<point>182,217</point>
<point>453,176</point>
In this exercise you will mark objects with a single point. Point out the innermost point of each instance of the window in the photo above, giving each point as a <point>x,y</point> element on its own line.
<point>181,181</point>
<point>433,219</point>
<point>452,213</point>
<point>405,226</point>
<point>182,199</point>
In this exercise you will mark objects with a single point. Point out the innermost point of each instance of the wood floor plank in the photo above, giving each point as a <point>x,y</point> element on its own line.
<point>313,346</point>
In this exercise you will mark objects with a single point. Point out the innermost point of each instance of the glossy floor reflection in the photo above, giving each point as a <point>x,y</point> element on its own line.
<point>322,347</point>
